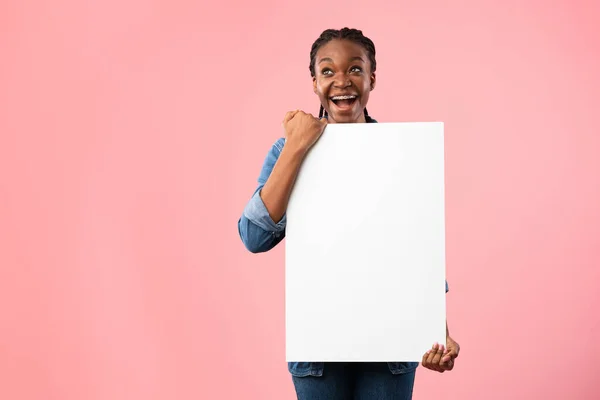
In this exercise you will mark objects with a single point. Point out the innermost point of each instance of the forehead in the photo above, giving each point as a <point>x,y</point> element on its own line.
<point>341,51</point>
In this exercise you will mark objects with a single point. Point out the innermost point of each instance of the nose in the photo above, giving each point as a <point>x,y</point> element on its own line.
<point>342,81</point>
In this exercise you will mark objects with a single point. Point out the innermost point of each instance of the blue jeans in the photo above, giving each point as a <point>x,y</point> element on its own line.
<point>355,381</point>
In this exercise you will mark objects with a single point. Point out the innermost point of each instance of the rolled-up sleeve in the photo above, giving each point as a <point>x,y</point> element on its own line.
<point>256,212</point>
<point>256,228</point>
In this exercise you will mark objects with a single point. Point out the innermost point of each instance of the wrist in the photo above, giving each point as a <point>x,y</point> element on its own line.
<point>294,149</point>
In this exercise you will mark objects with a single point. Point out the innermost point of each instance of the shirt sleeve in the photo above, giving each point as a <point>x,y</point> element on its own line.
<point>256,212</point>
<point>256,228</point>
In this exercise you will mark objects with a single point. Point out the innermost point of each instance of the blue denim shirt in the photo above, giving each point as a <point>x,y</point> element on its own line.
<point>260,233</point>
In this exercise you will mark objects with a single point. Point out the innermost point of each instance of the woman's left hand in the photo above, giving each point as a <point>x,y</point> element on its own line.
<point>441,359</point>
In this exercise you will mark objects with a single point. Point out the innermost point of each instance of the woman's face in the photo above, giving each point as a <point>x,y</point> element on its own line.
<point>343,80</point>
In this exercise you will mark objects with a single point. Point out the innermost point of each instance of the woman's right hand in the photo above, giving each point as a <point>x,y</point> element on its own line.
<point>302,130</point>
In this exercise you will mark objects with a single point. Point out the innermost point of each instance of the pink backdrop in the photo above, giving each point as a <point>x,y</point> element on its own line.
<point>132,134</point>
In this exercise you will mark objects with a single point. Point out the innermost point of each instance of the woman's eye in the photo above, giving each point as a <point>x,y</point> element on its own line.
<point>355,69</point>
<point>327,72</point>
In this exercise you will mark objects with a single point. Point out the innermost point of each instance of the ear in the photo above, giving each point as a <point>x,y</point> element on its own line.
<point>373,81</point>
<point>314,84</point>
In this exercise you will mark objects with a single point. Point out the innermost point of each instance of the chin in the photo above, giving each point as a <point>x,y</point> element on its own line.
<point>345,119</point>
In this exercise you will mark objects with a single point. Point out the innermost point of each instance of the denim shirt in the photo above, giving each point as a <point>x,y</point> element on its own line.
<point>260,233</point>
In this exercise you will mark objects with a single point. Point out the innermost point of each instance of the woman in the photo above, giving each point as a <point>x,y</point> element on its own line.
<point>342,66</point>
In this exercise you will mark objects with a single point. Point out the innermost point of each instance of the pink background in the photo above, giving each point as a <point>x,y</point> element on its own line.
<point>132,134</point>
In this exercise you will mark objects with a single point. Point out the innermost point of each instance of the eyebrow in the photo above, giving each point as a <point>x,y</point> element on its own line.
<point>327,59</point>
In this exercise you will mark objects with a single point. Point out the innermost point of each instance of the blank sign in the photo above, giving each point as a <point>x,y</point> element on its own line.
<point>365,245</point>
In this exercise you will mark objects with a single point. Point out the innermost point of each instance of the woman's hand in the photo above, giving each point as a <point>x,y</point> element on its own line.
<point>302,130</point>
<point>440,359</point>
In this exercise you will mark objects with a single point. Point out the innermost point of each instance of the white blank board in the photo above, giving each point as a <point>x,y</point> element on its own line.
<point>365,245</point>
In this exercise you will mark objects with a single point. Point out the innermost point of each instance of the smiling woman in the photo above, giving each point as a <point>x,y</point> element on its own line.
<point>342,65</point>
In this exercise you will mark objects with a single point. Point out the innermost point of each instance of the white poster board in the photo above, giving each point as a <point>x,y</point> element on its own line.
<point>365,245</point>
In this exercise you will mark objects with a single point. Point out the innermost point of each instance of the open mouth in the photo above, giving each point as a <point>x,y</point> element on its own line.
<point>344,102</point>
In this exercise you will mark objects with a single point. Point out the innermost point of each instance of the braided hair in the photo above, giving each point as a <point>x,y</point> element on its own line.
<point>353,35</point>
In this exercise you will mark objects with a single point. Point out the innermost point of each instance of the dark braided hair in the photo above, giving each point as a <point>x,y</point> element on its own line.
<point>353,35</point>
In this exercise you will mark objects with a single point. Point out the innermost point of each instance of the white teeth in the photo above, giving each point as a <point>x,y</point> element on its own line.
<point>343,97</point>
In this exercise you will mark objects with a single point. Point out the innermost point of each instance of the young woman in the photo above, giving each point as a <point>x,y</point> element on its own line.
<point>342,66</point>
